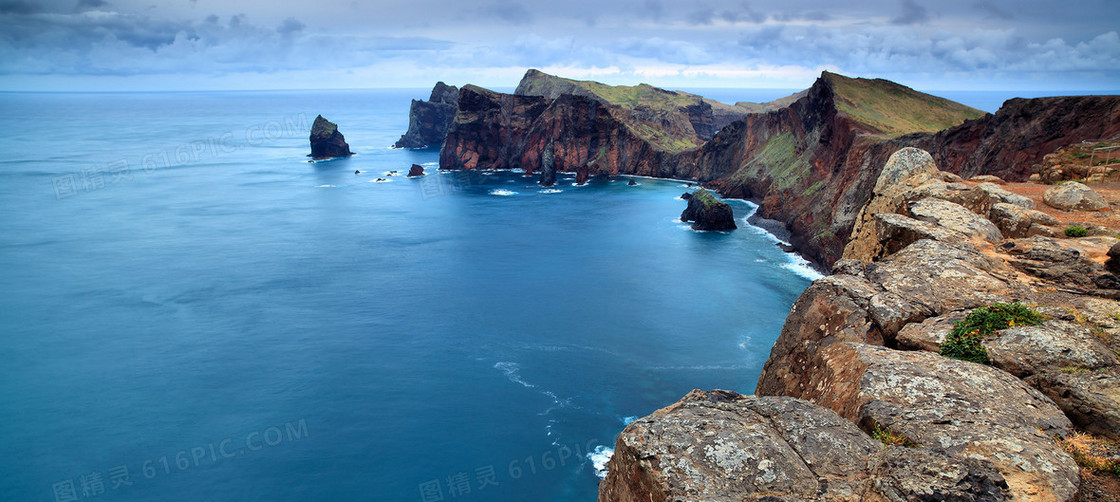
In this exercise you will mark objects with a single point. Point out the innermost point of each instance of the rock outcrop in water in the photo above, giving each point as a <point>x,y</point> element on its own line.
<point>428,120</point>
<point>864,342</point>
<point>707,212</point>
<point>326,141</point>
<point>415,170</point>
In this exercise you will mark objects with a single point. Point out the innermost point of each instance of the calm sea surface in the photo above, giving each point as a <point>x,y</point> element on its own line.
<point>189,310</point>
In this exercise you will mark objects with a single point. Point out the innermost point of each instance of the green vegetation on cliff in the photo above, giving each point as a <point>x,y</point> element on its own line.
<point>964,342</point>
<point>895,109</point>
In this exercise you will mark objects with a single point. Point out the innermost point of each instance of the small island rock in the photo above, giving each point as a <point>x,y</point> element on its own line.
<point>415,170</point>
<point>326,141</point>
<point>707,212</point>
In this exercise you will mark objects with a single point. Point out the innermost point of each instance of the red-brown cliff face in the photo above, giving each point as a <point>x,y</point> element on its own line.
<point>811,164</point>
<point>1016,137</point>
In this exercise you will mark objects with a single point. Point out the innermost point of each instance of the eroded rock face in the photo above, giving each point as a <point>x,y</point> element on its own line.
<point>428,120</point>
<point>708,213</point>
<point>952,407</point>
<point>1072,195</point>
<point>955,217</point>
<point>326,141</point>
<point>721,445</point>
<point>1049,259</point>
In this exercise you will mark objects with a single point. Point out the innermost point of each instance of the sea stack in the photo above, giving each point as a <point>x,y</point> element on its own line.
<point>415,170</point>
<point>708,213</point>
<point>326,141</point>
<point>428,120</point>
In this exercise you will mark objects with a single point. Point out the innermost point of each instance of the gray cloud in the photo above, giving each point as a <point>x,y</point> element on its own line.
<point>961,38</point>
<point>912,13</point>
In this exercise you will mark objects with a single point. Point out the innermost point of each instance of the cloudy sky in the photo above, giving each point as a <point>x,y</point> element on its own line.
<point>267,44</point>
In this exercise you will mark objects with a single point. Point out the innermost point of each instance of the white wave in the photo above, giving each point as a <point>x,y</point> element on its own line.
<point>802,267</point>
<point>512,371</point>
<point>325,186</point>
<point>502,192</point>
<point>628,420</point>
<point>550,190</point>
<point>599,459</point>
<point>430,164</point>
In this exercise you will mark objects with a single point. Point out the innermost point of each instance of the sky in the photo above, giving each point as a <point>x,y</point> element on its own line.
<point>106,45</point>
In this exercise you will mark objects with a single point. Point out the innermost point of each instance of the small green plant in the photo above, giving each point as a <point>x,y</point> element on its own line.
<point>965,340</point>
<point>891,438</point>
<point>1073,370</point>
<point>1076,231</point>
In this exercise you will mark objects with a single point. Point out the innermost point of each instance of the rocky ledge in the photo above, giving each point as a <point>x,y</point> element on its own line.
<point>326,141</point>
<point>707,212</point>
<point>856,402</point>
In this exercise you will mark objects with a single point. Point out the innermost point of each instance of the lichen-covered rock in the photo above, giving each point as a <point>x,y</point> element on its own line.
<point>1051,347</point>
<point>905,169</point>
<point>721,445</point>
<point>1054,261</point>
<point>955,217</point>
<point>326,141</point>
<point>988,178</point>
<point>999,194</point>
<point>707,212</point>
<point>1091,399</point>
<point>1013,221</point>
<point>1073,195</point>
<point>944,277</point>
<point>928,334</point>
<point>896,231</point>
<point>948,406</point>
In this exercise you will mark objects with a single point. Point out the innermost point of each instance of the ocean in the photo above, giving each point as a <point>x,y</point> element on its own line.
<point>192,311</point>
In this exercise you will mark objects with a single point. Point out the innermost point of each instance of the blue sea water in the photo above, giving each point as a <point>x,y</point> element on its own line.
<point>191,311</point>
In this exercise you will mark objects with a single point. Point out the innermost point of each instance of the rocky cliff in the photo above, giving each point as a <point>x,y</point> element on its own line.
<point>865,343</point>
<point>428,120</point>
<point>1021,133</point>
<point>811,164</point>
<point>326,141</point>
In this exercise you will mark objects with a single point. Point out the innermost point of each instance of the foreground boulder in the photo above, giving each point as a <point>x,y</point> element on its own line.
<point>707,212</point>
<point>721,445</point>
<point>949,406</point>
<point>326,141</point>
<point>1072,195</point>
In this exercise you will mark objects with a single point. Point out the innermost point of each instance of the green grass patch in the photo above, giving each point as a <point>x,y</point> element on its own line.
<point>895,109</point>
<point>891,438</point>
<point>1076,231</point>
<point>965,340</point>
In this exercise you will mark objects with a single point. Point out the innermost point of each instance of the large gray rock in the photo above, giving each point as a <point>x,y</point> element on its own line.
<point>896,231</point>
<point>963,409</point>
<point>1074,195</point>
<point>955,217</point>
<point>720,445</point>
<point>1054,261</point>
<point>1091,399</point>
<point>1013,221</point>
<point>1000,194</point>
<point>905,169</point>
<point>943,277</point>
<point>1051,347</point>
